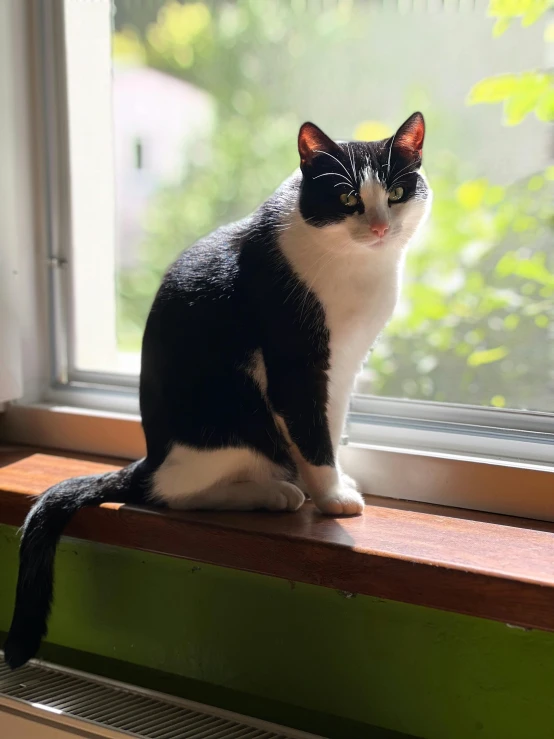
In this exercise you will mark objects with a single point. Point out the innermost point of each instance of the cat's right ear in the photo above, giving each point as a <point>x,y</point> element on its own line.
<point>408,140</point>
<point>311,142</point>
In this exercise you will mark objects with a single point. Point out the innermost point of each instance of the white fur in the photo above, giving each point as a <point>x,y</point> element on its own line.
<point>357,279</point>
<point>223,479</point>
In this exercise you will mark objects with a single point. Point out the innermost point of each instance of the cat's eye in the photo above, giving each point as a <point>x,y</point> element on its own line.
<point>396,194</point>
<point>349,200</point>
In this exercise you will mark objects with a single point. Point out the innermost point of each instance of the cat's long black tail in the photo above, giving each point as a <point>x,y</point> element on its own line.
<point>41,532</point>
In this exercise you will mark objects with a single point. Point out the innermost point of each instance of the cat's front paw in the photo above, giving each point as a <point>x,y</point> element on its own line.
<point>341,501</point>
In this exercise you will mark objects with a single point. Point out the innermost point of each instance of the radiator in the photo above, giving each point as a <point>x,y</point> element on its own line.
<point>44,701</point>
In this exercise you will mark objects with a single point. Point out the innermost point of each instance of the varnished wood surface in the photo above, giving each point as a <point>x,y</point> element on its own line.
<point>496,567</point>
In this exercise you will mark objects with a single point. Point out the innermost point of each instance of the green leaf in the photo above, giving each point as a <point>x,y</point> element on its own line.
<point>545,106</point>
<point>487,356</point>
<point>521,94</point>
<point>536,9</point>
<point>493,89</point>
<point>507,8</point>
<point>535,183</point>
<point>501,26</point>
<point>529,90</point>
<point>470,194</point>
<point>494,195</point>
<point>528,10</point>
<point>534,269</point>
<point>523,223</point>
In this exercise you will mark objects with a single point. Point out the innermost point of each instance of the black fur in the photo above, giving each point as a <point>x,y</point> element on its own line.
<point>41,532</point>
<point>229,296</point>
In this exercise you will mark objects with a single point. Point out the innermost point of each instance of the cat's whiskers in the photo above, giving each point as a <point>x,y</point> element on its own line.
<point>399,181</point>
<point>390,153</point>
<point>284,226</point>
<point>401,178</point>
<point>336,174</point>
<point>397,174</point>
<point>338,161</point>
<point>411,164</point>
<point>352,162</point>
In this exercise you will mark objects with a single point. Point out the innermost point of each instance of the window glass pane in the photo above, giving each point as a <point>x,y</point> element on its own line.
<point>207,100</point>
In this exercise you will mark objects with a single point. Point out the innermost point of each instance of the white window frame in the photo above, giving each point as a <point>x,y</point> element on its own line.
<point>441,453</point>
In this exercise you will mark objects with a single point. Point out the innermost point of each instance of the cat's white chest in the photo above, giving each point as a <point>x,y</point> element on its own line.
<point>357,308</point>
<point>358,289</point>
<point>358,292</point>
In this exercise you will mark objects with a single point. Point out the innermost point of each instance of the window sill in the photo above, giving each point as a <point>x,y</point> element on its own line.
<point>485,565</point>
<point>399,472</point>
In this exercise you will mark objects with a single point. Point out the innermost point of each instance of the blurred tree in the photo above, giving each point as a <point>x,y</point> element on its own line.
<point>474,320</point>
<point>476,324</point>
<point>531,91</point>
<point>472,326</point>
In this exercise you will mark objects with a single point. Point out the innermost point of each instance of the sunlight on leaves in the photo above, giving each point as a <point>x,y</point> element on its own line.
<point>528,10</point>
<point>482,276</point>
<point>487,356</point>
<point>511,322</point>
<point>522,94</point>
<point>127,47</point>
<point>493,89</point>
<point>501,26</point>
<point>545,107</point>
<point>470,194</point>
<point>535,183</point>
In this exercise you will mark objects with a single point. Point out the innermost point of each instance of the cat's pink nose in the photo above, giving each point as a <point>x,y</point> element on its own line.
<point>379,229</point>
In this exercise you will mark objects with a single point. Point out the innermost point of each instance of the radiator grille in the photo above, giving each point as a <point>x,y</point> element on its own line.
<point>125,708</point>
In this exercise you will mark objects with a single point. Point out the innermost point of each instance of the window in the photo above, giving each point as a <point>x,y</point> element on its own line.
<point>168,118</point>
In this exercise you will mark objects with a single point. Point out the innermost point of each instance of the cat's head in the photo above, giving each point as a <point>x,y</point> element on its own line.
<point>369,192</point>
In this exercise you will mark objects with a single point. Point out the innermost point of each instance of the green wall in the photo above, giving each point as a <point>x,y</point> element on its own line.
<point>309,656</point>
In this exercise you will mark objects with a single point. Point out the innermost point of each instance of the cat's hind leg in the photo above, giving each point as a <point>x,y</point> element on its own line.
<point>223,479</point>
<point>275,495</point>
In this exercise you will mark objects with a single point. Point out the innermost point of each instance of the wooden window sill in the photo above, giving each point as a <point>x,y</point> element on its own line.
<point>492,566</point>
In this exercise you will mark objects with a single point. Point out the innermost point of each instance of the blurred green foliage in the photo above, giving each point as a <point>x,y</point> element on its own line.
<point>474,320</point>
<point>531,91</point>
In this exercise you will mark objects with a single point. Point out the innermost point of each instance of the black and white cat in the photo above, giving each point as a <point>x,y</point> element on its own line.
<point>250,353</point>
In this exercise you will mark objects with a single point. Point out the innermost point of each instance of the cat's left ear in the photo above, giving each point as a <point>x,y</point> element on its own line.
<point>312,142</point>
<point>408,140</point>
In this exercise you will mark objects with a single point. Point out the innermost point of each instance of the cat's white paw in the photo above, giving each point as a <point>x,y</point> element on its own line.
<point>341,501</point>
<point>284,496</point>
<point>348,482</point>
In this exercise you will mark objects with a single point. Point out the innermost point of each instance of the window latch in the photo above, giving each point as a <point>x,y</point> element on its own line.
<point>56,262</point>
